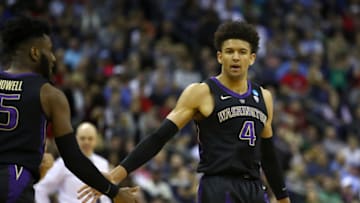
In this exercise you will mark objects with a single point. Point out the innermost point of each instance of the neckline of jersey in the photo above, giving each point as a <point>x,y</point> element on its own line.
<point>17,75</point>
<point>230,92</point>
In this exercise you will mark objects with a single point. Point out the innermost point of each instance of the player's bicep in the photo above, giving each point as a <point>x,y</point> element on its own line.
<point>180,115</point>
<point>268,131</point>
<point>57,109</point>
<point>186,106</point>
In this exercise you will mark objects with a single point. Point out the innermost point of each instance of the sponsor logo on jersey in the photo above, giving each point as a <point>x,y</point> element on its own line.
<point>222,97</point>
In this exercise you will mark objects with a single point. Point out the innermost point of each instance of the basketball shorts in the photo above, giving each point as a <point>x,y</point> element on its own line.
<point>222,189</point>
<point>16,184</point>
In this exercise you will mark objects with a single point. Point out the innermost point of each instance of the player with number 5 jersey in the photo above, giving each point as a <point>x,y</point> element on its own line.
<point>20,111</point>
<point>27,102</point>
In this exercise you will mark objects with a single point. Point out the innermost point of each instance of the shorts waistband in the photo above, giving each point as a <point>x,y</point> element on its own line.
<point>233,176</point>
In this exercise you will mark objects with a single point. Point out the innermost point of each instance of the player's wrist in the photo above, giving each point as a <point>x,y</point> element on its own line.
<point>118,174</point>
<point>113,191</point>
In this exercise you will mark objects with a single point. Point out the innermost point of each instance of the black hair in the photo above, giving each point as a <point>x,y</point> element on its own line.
<point>236,30</point>
<point>20,29</point>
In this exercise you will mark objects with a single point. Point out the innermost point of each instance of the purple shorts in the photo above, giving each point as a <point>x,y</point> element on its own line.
<point>16,184</point>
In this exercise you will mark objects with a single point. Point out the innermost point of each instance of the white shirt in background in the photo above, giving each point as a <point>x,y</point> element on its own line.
<point>65,184</point>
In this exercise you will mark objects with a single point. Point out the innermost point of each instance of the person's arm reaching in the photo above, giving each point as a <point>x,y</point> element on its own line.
<point>56,108</point>
<point>186,107</point>
<point>150,146</point>
<point>269,161</point>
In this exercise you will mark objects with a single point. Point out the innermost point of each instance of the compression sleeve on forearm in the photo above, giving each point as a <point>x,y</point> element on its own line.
<point>82,167</point>
<point>272,169</point>
<point>150,146</point>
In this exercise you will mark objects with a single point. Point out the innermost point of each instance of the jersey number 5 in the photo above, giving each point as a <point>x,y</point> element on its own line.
<point>11,119</point>
<point>248,132</point>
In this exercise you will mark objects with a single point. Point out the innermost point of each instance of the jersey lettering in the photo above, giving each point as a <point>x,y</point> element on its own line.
<point>11,113</point>
<point>247,132</point>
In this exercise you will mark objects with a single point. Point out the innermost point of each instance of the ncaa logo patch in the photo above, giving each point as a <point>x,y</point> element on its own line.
<point>255,94</point>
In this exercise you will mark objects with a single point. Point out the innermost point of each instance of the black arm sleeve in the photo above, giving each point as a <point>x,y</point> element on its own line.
<point>150,146</point>
<point>272,169</point>
<point>82,167</point>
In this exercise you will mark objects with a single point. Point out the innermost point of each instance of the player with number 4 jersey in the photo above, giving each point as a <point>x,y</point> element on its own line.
<point>234,117</point>
<point>229,137</point>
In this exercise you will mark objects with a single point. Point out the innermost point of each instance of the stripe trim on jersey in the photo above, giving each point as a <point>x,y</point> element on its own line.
<point>228,198</point>
<point>232,93</point>
<point>17,75</point>
<point>200,190</point>
<point>42,134</point>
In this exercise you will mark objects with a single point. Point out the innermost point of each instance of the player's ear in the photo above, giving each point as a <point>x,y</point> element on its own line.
<point>219,56</point>
<point>34,54</point>
<point>252,58</point>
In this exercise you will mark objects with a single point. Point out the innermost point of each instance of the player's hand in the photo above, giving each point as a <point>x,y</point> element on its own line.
<point>88,194</point>
<point>46,163</point>
<point>284,200</point>
<point>127,195</point>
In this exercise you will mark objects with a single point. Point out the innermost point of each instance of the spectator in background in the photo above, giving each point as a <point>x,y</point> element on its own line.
<point>90,19</point>
<point>127,29</point>
<point>60,181</point>
<point>294,82</point>
<point>73,54</point>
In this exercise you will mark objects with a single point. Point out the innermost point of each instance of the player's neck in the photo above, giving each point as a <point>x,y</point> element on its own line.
<point>238,85</point>
<point>18,67</point>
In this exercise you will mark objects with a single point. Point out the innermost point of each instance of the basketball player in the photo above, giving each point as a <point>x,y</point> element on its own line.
<point>233,116</point>
<point>27,102</point>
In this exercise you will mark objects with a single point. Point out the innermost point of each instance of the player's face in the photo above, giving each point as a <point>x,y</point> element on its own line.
<point>47,58</point>
<point>235,57</point>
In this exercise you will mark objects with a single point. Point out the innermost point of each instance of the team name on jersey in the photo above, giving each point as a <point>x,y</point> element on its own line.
<point>11,85</point>
<point>237,111</point>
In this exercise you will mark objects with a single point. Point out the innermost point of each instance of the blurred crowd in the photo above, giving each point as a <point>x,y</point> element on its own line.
<point>123,63</point>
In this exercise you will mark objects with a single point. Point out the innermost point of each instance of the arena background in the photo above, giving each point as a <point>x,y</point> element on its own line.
<point>123,63</point>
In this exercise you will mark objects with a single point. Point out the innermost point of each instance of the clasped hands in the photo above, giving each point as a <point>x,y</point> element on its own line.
<point>125,195</point>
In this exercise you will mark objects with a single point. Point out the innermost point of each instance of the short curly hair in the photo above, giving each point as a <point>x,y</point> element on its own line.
<point>236,30</point>
<point>20,29</point>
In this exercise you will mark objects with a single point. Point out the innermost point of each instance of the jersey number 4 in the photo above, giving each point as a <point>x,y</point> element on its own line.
<point>248,132</point>
<point>11,119</point>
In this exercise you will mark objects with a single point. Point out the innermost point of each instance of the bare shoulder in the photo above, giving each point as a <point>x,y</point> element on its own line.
<point>197,90</point>
<point>49,91</point>
<point>52,97</point>
<point>190,102</point>
<point>268,102</point>
<point>194,94</point>
<point>57,109</point>
<point>266,94</point>
<point>267,131</point>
